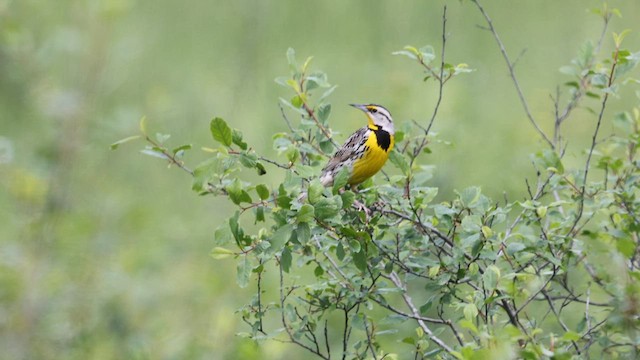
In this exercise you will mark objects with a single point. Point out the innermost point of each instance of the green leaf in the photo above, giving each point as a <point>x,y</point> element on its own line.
<point>221,131</point>
<point>303,233</point>
<point>327,93</point>
<point>462,68</point>
<point>143,125</point>
<point>470,196</point>
<point>424,193</point>
<point>314,191</point>
<point>280,237</point>
<point>285,259</point>
<point>297,101</point>
<point>283,200</point>
<point>243,272</point>
<point>221,253</point>
<point>354,245</point>
<point>248,160</point>
<point>409,340</point>
<point>236,137</point>
<point>569,70</point>
<point>471,224</point>
<point>293,154</point>
<point>327,207</point>
<point>203,173</point>
<point>154,153</point>
<point>550,160</point>
<point>427,53</point>
<point>238,234</point>
<point>541,211</point>
<point>306,64</point>
<point>305,214</point>
<point>470,311</point>
<point>360,260</point>
<point>259,214</point>
<point>424,309</point>
<point>617,38</point>
<point>181,148</point>
<point>515,247</point>
<point>291,59</point>
<point>571,336</point>
<point>320,78</point>
<point>626,246</point>
<point>260,168</point>
<point>305,171</point>
<point>600,80</point>
<point>406,53</point>
<point>263,191</point>
<point>318,271</point>
<point>341,179</point>
<point>434,271</point>
<point>323,112</point>
<point>491,276</point>
<point>236,193</point>
<point>222,235</point>
<point>162,137</point>
<point>348,197</point>
<point>624,122</point>
<point>122,141</point>
<point>487,232</point>
<point>399,161</point>
<point>340,253</point>
<point>466,324</point>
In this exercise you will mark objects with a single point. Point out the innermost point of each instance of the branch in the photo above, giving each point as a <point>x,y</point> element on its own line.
<point>286,326</point>
<point>407,315</point>
<point>572,104</point>
<point>512,73</point>
<point>171,157</point>
<point>407,300</point>
<point>440,78</point>
<point>594,141</point>
<point>313,117</point>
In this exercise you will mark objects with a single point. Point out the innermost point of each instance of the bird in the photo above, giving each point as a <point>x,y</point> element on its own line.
<point>366,150</point>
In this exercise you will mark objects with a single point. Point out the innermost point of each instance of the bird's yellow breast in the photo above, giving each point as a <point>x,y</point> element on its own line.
<point>372,159</point>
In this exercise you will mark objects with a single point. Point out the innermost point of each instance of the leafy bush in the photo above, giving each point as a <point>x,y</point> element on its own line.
<point>554,275</point>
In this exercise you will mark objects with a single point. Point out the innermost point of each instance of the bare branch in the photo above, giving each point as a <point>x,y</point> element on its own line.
<point>440,78</point>
<point>512,73</point>
<point>594,141</point>
<point>409,302</point>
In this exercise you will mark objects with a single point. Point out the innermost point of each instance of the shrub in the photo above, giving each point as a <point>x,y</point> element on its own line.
<point>554,275</point>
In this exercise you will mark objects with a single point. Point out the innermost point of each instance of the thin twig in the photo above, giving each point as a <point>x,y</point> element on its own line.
<point>313,117</point>
<point>369,340</point>
<point>512,73</point>
<point>407,315</point>
<point>409,302</point>
<point>557,315</point>
<point>285,118</point>
<point>286,326</point>
<point>171,157</point>
<point>440,78</point>
<point>594,141</point>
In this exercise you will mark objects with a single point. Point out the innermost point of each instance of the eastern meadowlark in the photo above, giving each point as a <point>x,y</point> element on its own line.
<point>366,150</point>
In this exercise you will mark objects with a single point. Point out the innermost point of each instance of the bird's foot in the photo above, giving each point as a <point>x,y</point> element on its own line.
<point>362,207</point>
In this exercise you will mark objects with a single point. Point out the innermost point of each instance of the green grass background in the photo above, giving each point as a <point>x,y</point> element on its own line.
<point>104,255</point>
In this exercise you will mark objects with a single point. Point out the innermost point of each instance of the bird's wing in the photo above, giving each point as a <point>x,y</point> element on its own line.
<point>343,155</point>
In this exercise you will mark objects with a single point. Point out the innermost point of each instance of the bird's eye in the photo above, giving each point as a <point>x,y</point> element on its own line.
<point>373,110</point>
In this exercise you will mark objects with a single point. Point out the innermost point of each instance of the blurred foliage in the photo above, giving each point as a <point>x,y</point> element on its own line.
<point>103,255</point>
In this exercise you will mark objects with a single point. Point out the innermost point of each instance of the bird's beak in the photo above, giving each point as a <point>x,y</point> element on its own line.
<point>361,107</point>
<point>366,111</point>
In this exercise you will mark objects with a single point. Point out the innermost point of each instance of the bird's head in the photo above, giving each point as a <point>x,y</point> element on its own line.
<point>379,116</point>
